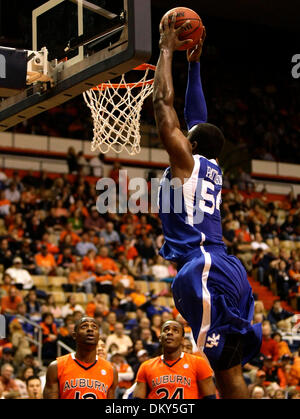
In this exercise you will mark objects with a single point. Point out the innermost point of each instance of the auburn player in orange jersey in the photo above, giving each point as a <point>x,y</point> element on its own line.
<point>82,375</point>
<point>174,374</point>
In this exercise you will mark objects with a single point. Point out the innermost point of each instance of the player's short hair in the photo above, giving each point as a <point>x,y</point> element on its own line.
<point>174,321</point>
<point>81,320</point>
<point>209,138</point>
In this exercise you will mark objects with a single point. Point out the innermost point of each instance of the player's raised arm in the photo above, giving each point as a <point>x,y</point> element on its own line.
<point>51,390</point>
<point>195,110</point>
<point>176,144</point>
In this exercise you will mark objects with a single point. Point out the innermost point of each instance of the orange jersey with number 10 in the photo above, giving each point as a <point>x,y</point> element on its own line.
<point>78,380</point>
<point>177,380</point>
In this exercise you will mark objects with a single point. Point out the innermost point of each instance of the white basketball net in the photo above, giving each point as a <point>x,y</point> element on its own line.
<point>116,111</point>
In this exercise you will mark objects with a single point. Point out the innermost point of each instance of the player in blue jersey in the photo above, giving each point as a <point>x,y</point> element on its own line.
<point>211,289</point>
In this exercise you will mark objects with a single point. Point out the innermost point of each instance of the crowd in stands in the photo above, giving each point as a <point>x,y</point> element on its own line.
<point>107,266</point>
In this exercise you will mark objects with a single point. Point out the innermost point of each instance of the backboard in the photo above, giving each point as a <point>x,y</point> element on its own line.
<point>88,42</point>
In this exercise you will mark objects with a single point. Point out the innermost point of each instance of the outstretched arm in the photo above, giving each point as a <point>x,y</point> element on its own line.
<point>176,144</point>
<point>195,111</point>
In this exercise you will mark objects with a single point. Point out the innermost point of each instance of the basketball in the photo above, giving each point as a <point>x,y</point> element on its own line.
<point>193,31</point>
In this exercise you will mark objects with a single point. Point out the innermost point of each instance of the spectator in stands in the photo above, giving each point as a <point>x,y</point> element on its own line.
<point>149,344</point>
<point>12,193</point>
<point>271,229</point>
<point>6,284</point>
<point>144,323</point>
<point>49,351</point>
<point>125,279</point>
<point>21,277</point>
<point>83,164</point>
<point>103,325</point>
<point>97,304</point>
<point>96,165</point>
<point>110,235</point>
<point>111,319</point>
<point>19,341</point>
<point>103,280</point>
<point>125,373</point>
<point>84,245</point>
<point>156,323</point>
<point>72,160</point>
<point>71,306</point>
<point>142,356</point>
<point>258,243</point>
<point>65,261</point>
<point>294,272</point>
<point>146,249</point>
<point>33,306</point>
<point>128,249</point>
<point>123,341</point>
<point>6,255</point>
<point>26,253</point>
<point>68,231</point>
<point>284,351</point>
<point>65,334</point>
<point>94,221</point>
<point>244,251</point>
<point>137,296</point>
<point>89,260</point>
<point>22,376</point>
<point>287,229</point>
<point>108,264</point>
<point>5,204</point>
<point>269,346</point>
<point>282,280</point>
<point>36,228</point>
<point>280,318</point>
<point>50,306</point>
<point>9,303</point>
<point>124,300</point>
<point>259,380</point>
<point>34,388</point>
<point>79,279</point>
<point>160,269</point>
<point>271,369</point>
<point>10,387</point>
<point>45,262</point>
<point>152,306</point>
<point>8,357</point>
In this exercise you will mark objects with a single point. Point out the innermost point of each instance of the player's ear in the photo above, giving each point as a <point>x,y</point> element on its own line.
<point>194,146</point>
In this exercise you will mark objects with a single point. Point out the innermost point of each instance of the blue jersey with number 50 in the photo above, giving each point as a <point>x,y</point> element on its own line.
<point>190,214</point>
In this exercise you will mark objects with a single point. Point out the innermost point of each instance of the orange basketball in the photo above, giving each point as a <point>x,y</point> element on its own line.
<point>194,29</point>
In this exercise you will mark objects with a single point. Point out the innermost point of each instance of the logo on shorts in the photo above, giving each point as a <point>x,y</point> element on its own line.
<point>212,341</point>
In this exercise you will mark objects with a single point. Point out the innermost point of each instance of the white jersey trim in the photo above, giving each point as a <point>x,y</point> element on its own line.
<point>189,190</point>
<point>206,299</point>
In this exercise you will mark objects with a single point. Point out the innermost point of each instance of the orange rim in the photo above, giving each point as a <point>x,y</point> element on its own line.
<point>142,67</point>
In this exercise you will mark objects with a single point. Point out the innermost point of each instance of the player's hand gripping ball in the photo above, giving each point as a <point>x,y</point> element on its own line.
<point>193,30</point>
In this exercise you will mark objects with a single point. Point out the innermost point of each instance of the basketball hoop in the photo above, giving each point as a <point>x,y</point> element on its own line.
<point>116,110</point>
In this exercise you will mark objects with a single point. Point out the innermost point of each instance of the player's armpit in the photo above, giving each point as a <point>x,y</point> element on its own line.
<point>51,390</point>
<point>207,387</point>
<point>140,391</point>
<point>112,389</point>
